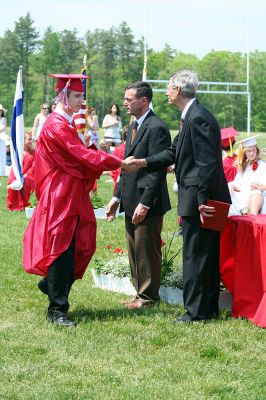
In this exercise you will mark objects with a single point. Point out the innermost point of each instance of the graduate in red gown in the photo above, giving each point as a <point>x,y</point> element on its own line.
<point>228,139</point>
<point>17,200</point>
<point>60,239</point>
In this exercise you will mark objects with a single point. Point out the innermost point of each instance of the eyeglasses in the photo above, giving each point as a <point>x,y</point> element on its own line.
<point>45,108</point>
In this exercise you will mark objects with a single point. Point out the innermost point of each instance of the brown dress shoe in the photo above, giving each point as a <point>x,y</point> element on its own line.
<point>139,303</point>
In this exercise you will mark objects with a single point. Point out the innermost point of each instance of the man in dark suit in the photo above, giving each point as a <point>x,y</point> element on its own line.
<point>197,155</point>
<point>143,195</point>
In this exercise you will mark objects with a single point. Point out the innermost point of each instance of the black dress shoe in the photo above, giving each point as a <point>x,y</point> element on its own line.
<point>182,320</point>
<point>186,319</point>
<point>43,286</point>
<point>59,318</point>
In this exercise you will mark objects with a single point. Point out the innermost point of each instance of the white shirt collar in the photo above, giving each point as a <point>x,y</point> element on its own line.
<point>141,119</point>
<point>65,115</point>
<point>184,112</point>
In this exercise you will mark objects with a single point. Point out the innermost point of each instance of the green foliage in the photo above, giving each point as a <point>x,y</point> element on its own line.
<point>96,201</point>
<point>116,264</point>
<point>115,59</point>
<point>172,271</point>
<point>33,200</point>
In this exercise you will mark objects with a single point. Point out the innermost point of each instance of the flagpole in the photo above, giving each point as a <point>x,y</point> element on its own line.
<point>87,91</point>
<point>247,68</point>
<point>144,73</point>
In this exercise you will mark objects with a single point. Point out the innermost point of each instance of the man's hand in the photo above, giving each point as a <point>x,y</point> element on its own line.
<point>111,210</point>
<point>139,162</point>
<point>127,165</point>
<point>206,212</point>
<point>139,214</point>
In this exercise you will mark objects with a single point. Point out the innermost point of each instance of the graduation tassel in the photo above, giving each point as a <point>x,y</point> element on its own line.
<point>231,148</point>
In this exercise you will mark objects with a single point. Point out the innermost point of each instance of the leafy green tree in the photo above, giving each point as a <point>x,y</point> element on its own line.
<point>27,37</point>
<point>258,90</point>
<point>115,59</point>
<point>8,68</point>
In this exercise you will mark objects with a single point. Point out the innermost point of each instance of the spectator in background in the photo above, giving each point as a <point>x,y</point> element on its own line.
<point>3,137</point>
<point>248,189</point>
<point>52,108</point>
<point>93,126</point>
<point>112,125</point>
<point>17,200</point>
<point>105,146</point>
<point>8,154</point>
<point>39,120</point>
<point>229,157</point>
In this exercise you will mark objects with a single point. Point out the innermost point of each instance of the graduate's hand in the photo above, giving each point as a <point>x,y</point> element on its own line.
<point>127,166</point>
<point>111,210</point>
<point>206,212</point>
<point>139,214</point>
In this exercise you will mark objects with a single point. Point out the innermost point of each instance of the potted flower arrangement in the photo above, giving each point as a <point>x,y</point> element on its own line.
<point>114,273</point>
<point>30,209</point>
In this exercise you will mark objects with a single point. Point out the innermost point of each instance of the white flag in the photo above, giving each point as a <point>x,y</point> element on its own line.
<point>17,134</point>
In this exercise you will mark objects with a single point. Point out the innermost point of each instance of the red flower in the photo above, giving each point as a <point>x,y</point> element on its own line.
<point>118,251</point>
<point>163,243</point>
<point>254,165</point>
<point>108,247</point>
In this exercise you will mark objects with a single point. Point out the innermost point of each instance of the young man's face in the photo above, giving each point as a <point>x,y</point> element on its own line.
<point>75,100</point>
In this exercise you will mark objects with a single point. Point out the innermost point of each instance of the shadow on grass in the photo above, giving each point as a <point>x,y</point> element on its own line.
<point>109,314</point>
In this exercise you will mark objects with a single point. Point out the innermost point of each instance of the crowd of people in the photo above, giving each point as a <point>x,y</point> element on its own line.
<point>60,239</point>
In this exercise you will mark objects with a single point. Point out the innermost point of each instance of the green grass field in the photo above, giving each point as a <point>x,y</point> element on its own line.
<point>115,353</point>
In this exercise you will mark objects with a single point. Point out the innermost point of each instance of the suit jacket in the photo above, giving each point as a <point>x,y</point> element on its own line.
<point>197,154</point>
<point>142,186</point>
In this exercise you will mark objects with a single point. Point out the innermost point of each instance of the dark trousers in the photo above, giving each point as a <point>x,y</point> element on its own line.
<point>60,279</point>
<point>201,259</point>
<point>145,255</point>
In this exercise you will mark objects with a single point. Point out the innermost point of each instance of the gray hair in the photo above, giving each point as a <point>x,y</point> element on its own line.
<point>187,81</point>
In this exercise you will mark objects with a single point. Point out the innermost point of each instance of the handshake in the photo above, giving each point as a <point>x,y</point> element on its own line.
<point>131,164</point>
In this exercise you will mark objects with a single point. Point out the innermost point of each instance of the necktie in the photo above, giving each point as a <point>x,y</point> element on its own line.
<point>134,132</point>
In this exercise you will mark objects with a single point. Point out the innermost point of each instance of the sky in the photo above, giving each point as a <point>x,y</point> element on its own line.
<point>190,26</point>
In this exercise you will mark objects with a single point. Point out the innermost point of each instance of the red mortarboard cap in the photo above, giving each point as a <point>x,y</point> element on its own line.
<point>226,134</point>
<point>73,79</point>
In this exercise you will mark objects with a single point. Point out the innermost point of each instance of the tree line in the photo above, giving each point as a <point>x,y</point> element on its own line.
<point>115,59</point>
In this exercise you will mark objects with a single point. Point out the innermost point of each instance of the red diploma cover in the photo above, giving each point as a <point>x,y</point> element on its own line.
<point>218,221</point>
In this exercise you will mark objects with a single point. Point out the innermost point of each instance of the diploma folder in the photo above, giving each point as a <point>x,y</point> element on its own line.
<point>218,221</point>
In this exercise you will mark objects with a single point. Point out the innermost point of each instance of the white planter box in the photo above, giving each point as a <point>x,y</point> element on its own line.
<point>123,285</point>
<point>113,283</point>
<point>168,294</point>
<point>29,211</point>
<point>171,295</point>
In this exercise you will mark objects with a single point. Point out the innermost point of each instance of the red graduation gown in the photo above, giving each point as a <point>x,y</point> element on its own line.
<point>229,168</point>
<point>65,171</point>
<point>17,200</point>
